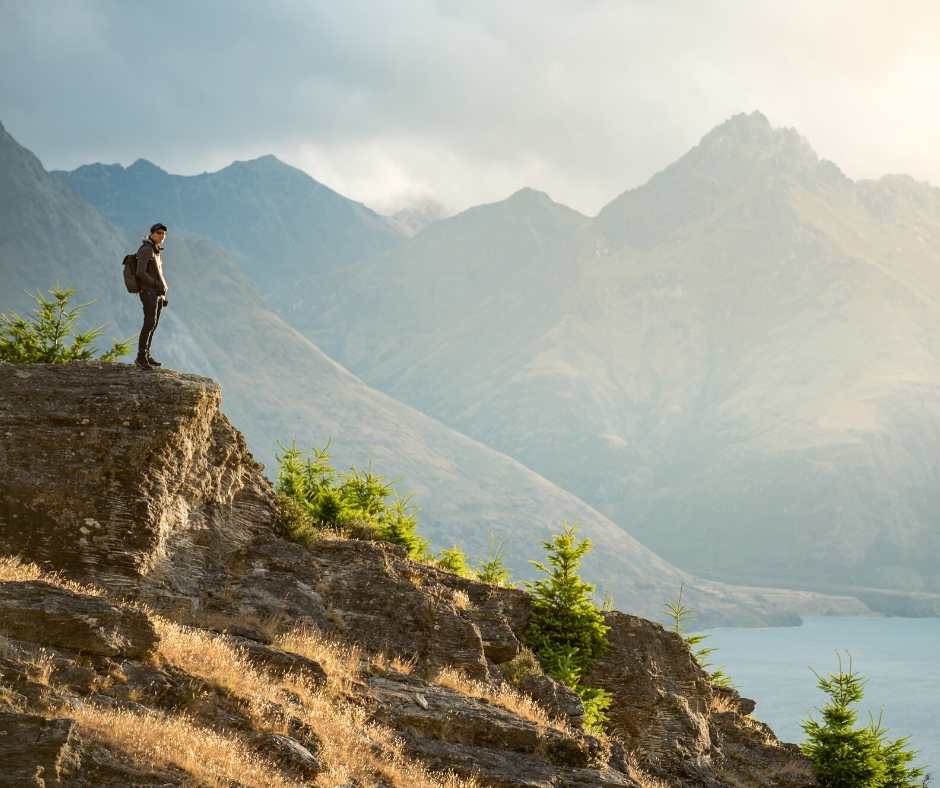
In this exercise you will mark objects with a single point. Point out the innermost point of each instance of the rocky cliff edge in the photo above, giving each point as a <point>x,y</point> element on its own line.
<point>156,630</point>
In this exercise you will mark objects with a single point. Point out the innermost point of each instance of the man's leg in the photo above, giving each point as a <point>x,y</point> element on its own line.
<point>156,322</point>
<point>148,298</point>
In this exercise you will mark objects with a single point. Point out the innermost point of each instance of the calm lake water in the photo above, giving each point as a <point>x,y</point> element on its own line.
<point>899,656</point>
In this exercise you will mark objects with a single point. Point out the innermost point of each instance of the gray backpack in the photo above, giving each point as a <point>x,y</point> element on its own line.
<point>130,273</point>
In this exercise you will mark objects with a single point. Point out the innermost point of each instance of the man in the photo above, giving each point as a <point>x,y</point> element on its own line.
<point>153,291</point>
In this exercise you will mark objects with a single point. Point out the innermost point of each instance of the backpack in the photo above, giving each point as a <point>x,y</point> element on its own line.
<point>130,273</point>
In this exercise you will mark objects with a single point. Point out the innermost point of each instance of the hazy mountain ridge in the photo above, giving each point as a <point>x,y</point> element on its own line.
<point>279,385</point>
<point>287,225</point>
<point>688,360</point>
<point>753,414</point>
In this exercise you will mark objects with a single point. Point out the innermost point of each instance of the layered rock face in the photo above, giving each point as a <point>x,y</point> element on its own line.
<point>121,481</point>
<point>137,487</point>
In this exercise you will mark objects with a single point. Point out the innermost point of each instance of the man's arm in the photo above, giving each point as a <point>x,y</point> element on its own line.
<point>144,256</point>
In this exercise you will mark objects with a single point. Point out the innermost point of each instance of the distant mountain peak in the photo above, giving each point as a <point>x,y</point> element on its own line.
<point>267,161</point>
<point>145,166</point>
<point>751,136</point>
<point>529,196</point>
<point>753,123</point>
<point>269,165</point>
<point>744,152</point>
<point>6,138</point>
<point>14,154</point>
<point>524,202</point>
<point>528,199</point>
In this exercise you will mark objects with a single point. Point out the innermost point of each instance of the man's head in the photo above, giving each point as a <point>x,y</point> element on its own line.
<point>158,233</point>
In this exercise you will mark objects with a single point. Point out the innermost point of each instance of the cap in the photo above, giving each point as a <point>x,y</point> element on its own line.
<point>158,226</point>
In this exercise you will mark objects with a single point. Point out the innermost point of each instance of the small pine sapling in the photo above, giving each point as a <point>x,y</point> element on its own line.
<point>43,336</point>
<point>453,560</point>
<point>566,630</point>
<point>848,756</point>
<point>680,613</point>
<point>313,496</point>
<point>897,757</point>
<point>492,570</point>
<point>398,525</point>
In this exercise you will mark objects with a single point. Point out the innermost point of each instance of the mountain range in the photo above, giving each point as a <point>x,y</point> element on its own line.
<point>286,226</point>
<point>733,363</point>
<point>737,361</point>
<point>281,386</point>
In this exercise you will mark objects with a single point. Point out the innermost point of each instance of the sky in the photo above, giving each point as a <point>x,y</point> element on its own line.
<point>397,102</point>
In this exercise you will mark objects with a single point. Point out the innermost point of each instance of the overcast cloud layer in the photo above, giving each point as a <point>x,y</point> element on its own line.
<point>465,102</point>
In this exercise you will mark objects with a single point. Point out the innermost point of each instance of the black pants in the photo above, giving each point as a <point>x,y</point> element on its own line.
<point>153,304</point>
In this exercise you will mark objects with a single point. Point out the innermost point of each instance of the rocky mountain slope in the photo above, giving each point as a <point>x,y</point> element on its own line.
<point>280,386</point>
<point>156,630</point>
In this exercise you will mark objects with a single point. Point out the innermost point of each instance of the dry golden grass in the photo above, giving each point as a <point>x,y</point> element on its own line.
<point>342,661</point>
<point>268,625</point>
<point>211,657</point>
<point>10,700</point>
<point>41,667</point>
<point>462,600</point>
<point>352,747</point>
<point>37,664</point>
<point>721,703</point>
<point>158,739</point>
<point>636,772</point>
<point>356,749</point>
<point>758,728</point>
<point>504,696</point>
<point>12,569</point>
<point>398,664</point>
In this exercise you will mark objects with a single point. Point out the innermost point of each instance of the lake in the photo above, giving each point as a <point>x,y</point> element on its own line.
<point>899,656</point>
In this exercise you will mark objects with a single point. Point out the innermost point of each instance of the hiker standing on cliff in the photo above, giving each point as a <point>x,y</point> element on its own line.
<point>152,292</point>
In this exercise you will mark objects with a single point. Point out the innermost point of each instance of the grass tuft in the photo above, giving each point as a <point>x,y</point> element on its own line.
<point>353,748</point>
<point>211,757</point>
<point>13,569</point>
<point>504,696</point>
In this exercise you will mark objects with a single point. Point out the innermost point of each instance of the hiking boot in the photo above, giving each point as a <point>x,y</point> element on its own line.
<point>153,362</point>
<point>142,362</point>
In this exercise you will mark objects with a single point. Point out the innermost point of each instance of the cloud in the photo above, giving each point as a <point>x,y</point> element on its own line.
<point>466,102</point>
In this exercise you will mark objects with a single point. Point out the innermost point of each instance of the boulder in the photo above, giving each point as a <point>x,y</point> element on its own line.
<point>115,482</point>
<point>35,751</point>
<point>280,663</point>
<point>42,613</point>
<point>289,754</point>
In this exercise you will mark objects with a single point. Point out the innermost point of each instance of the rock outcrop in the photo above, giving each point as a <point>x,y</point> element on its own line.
<point>137,486</point>
<point>41,613</point>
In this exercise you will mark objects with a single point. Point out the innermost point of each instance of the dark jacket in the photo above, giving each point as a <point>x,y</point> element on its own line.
<point>150,268</point>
